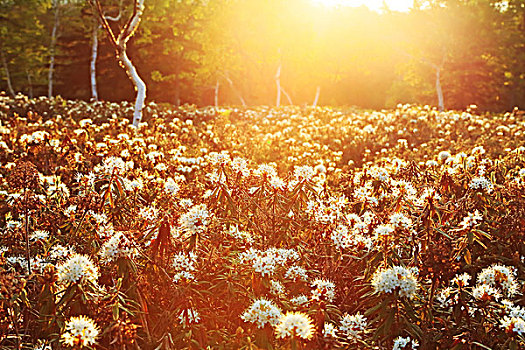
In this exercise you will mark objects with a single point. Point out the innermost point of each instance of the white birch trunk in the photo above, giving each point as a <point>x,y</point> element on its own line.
<point>140,87</point>
<point>235,90</point>
<point>7,75</point>
<point>317,93</point>
<point>120,43</point>
<point>441,104</point>
<point>287,96</point>
<point>93,63</point>
<point>30,82</point>
<point>52,49</point>
<point>217,94</point>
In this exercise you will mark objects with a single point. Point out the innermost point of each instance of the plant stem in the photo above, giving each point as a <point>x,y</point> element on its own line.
<point>28,253</point>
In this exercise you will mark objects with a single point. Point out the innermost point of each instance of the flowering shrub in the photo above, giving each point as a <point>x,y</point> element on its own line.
<point>309,228</point>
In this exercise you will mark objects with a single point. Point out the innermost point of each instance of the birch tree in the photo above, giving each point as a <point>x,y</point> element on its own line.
<point>119,41</point>
<point>52,46</point>
<point>94,50</point>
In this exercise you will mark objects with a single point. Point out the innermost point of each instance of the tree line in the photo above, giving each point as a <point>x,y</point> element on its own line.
<point>447,53</point>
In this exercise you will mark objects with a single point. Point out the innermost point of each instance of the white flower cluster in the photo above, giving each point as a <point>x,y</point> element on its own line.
<point>39,235</point>
<point>242,236</point>
<point>189,316</point>
<point>513,325</point>
<point>80,331</point>
<point>240,165</point>
<point>379,173</point>
<point>323,290</point>
<point>261,312</point>
<point>171,186</point>
<point>405,343</point>
<point>195,220</point>
<point>118,246</point>
<point>114,165</point>
<point>399,220</point>
<point>184,265</point>
<point>266,262</point>
<point>403,188</point>
<point>501,277</point>
<point>300,300</point>
<point>485,292</point>
<point>296,273</point>
<point>444,297</point>
<point>384,230</point>
<point>481,182</point>
<point>217,159</point>
<point>329,330</point>
<point>304,173</point>
<point>59,252</point>
<point>277,288</point>
<point>77,269</point>
<point>514,320</point>
<point>396,278</point>
<point>295,324</point>
<point>461,281</point>
<point>353,326</point>
<point>471,220</point>
<point>149,213</point>
<point>344,238</point>
<point>365,194</point>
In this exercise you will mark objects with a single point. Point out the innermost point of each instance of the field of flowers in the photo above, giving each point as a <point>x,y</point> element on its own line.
<point>260,228</point>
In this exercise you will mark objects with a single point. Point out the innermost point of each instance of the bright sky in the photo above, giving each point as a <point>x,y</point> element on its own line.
<point>376,5</point>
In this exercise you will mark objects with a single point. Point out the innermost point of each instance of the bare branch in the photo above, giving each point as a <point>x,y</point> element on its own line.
<point>104,22</point>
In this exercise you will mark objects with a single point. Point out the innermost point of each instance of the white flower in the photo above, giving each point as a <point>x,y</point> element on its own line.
<point>471,220</point>
<point>59,252</point>
<point>300,300</point>
<point>296,272</point>
<point>262,311</point>
<point>276,288</point>
<point>405,343</point>
<point>80,331</point>
<point>396,278</point>
<point>195,220</point>
<point>461,280</point>
<point>189,316</point>
<point>171,187</point>
<point>149,213</point>
<point>483,183</point>
<point>295,324</point>
<point>444,155</point>
<point>384,230</point>
<point>444,297</point>
<point>513,325</point>
<point>323,290</point>
<point>116,247</point>
<point>304,172</point>
<point>400,220</point>
<point>39,235</point>
<point>500,276</point>
<point>78,268</point>
<point>353,326</point>
<point>184,262</point>
<point>329,330</point>
<point>486,292</point>
<point>183,275</point>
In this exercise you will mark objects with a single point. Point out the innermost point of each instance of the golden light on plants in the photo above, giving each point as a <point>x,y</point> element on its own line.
<point>298,174</point>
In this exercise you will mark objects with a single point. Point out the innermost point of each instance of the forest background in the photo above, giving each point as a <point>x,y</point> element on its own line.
<point>232,52</point>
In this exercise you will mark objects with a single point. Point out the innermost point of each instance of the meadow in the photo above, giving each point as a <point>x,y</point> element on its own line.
<point>260,227</point>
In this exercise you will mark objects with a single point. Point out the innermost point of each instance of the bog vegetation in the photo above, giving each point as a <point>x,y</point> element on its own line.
<point>260,228</point>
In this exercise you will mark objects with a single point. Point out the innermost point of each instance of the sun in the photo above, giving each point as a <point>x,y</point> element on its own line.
<point>375,5</point>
